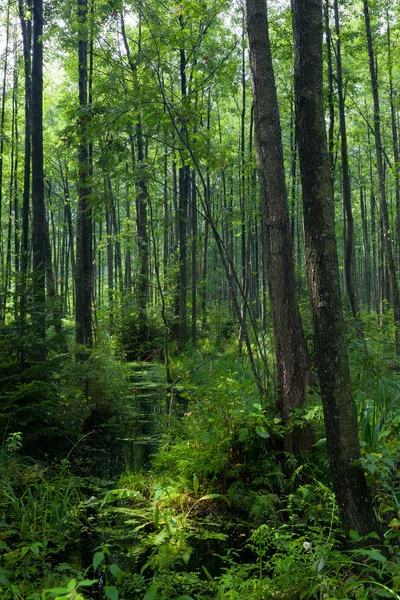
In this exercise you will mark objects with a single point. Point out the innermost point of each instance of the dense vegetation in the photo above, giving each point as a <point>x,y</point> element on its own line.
<point>199,302</point>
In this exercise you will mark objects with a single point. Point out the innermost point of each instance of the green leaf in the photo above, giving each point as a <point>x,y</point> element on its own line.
<point>71,585</point>
<point>353,534</point>
<point>262,432</point>
<point>195,484</point>
<point>321,564</point>
<point>116,571</point>
<point>213,497</point>
<point>111,592</point>
<point>373,555</point>
<point>4,580</point>
<point>384,593</point>
<point>156,515</point>
<point>151,593</point>
<point>87,582</point>
<point>58,591</point>
<point>243,434</point>
<point>257,405</point>
<point>97,560</point>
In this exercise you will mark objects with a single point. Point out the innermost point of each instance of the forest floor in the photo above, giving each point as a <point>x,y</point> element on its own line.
<point>184,492</point>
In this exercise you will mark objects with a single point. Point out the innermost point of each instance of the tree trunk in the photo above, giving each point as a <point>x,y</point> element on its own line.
<point>349,254</point>
<point>141,202</point>
<point>396,167</point>
<point>84,229</point>
<point>343,447</point>
<point>387,238</point>
<point>39,230</point>
<point>2,136</point>
<point>26,28</point>
<point>292,360</point>
<point>194,260</point>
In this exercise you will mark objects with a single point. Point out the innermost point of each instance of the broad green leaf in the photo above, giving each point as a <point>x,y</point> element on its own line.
<point>87,582</point>
<point>116,571</point>
<point>243,434</point>
<point>373,554</point>
<point>111,592</point>
<point>262,432</point>
<point>151,593</point>
<point>97,560</point>
<point>213,497</point>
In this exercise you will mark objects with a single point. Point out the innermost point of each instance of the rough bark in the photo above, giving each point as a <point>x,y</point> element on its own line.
<point>323,277</point>
<point>292,360</point>
<point>84,229</point>
<point>39,226</point>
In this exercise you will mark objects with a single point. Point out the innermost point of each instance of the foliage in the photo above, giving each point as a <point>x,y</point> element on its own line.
<point>141,341</point>
<point>41,514</point>
<point>51,400</point>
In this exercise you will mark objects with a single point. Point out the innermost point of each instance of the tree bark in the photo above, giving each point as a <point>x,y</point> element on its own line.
<point>387,238</point>
<point>84,228</point>
<point>292,360</point>
<point>343,447</point>
<point>349,257</point>
<point>39,230</point>
<point>26,28</point>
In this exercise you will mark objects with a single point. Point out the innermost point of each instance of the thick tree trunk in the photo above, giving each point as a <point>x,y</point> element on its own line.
<point>39,229</point>
<point>292,360</point>
<point>84,228</point>
<point>322,269</point>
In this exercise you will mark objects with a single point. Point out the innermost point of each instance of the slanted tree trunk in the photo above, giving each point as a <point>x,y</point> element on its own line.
<point>387,238</point>
<point>343,447</point>
<point>292,360</point>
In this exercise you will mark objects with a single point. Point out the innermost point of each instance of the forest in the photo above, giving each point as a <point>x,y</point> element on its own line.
<point>199,299</point>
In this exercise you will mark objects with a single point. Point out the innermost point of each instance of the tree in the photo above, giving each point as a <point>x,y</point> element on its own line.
<point>323,278</point>
<point>84,232</point>
<point>384,211</point>
<point>293,363</point>
<point>39,227</point>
